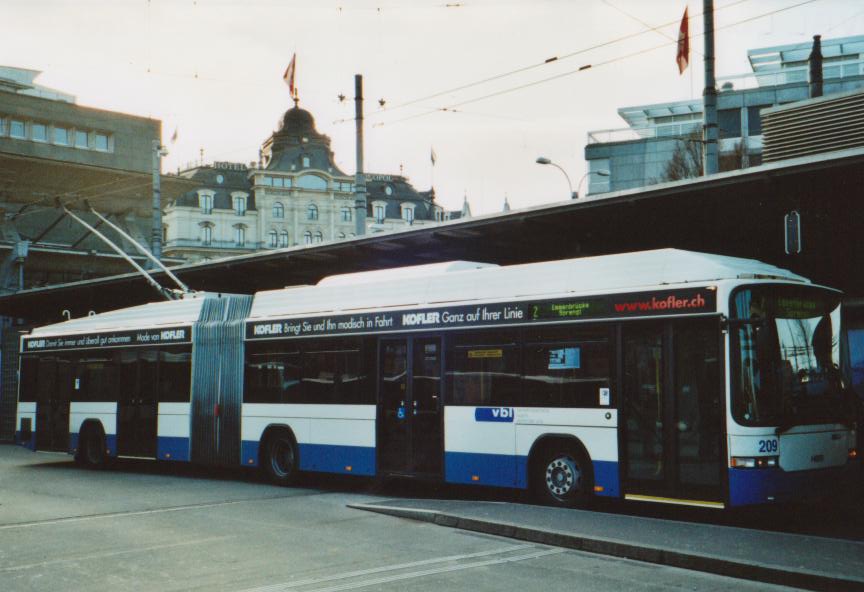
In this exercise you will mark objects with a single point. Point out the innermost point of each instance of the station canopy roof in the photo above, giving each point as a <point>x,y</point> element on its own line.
<point>739,213</point>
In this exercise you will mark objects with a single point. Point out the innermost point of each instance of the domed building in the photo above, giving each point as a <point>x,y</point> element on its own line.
<point>295,195</point>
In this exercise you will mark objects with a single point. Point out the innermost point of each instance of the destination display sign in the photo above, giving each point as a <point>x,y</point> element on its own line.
<point>141,337</point>
<point>640,304</point>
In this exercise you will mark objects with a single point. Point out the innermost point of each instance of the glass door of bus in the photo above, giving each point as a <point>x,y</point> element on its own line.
<point>410,439</point>
<point>54,387</point>
<point>672,411</point>
<point>137,407</point>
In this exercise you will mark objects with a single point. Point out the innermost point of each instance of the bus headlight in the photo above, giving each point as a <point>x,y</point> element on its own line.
<point>853,453</point>
<point>755,462</point>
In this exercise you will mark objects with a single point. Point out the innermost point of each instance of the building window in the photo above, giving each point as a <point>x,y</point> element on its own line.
<point>205,200</point>
<point>240,235</point>
<point>439,216</point>
<point>267,181</point>
<point>729,122</point>
<point>273,238</point>
<point>100,142</point>
<point>80,139</point>
<point>307,237</point>
<point>379,211</point>
<point>278,210</point>
<point>312,182</point>
<point>283,238</point>
<point>61,136</point>
<point>346,214</point>
<point>239,205</point>
<point>312,212</point>
<point>207,234</point>
<point>164,235</point>
<point>754,120</point>
<point>408,213</point>
<point>319,238</point>
<point>39,132</point>
<point>306,162</point>
<point>16,129</point>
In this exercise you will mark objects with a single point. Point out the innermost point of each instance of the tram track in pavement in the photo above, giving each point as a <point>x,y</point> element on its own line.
<point>352,580</point>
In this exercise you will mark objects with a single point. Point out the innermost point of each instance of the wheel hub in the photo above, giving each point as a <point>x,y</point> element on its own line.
<point>562,476</point>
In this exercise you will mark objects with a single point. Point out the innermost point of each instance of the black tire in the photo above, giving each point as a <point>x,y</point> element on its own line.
<point>91,449</point>
<point>280,459</point>
<point>563,477</point>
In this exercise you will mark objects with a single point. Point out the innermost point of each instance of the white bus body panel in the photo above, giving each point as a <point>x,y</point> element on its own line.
<point>330,438</point>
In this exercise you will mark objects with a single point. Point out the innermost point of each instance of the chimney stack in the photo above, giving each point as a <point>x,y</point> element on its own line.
<point>815,60</point>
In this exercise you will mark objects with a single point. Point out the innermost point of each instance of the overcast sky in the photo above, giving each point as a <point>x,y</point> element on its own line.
<point>213,70</point>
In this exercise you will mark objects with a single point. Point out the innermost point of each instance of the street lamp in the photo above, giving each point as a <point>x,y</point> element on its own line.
<point>598,172</point>
<point>544,160</point>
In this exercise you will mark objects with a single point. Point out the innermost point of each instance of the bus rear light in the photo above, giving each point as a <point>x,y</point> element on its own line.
<point>853,453</point>
<point>598,488</point>
<point>475,477</point>
<point>754,462</point>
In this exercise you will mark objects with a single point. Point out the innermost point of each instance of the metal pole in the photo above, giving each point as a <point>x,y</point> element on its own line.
<point>141,250</point>
<point>709,95</point>
<point>156,233</point>
<point>360,177</point>
<point>166,293</point>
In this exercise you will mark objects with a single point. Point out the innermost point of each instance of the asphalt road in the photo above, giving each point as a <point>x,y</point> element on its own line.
<point>143,526</point>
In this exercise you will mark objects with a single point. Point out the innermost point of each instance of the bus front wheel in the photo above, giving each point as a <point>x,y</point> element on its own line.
<point>280,458</point>
<point>563,478</point>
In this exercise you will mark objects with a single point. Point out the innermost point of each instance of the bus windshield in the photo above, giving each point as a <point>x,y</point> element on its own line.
<point>786,356</point>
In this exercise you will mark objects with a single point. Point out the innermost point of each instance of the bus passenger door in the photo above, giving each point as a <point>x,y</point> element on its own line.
<point>394,454</point>
<point>52,404</point>
<point>410,439</point>
<point>672,414</point>
<point>136,408</point>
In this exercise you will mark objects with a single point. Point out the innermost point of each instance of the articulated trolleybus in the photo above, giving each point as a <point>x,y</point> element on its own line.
<point>665,375</point>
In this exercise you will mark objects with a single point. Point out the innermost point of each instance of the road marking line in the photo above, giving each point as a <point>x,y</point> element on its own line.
<point>539,552</point>
<point>439,570</point>
<point>111,554</point>
<point>72,519</point>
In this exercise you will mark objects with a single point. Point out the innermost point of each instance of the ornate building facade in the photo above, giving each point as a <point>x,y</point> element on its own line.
<point>296,195</point>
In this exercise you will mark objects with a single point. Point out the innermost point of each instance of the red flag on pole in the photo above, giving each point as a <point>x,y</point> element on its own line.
<point>683,57</point>
<point>288,77</point>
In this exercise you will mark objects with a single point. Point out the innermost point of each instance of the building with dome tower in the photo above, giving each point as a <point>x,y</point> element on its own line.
<point>295,195</point>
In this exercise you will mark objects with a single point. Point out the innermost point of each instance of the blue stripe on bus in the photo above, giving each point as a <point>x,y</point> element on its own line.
<point>756,486</point>
<point>324,458</point>
<point>30,443</point>
<point>504,470</point>
<point>172,448</point>
<point>606,476</point>
<point>329,458</point>
<point>249,453</point>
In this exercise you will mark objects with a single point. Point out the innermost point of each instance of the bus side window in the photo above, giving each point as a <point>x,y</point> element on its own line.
<point>175,375</point>
<point>566,374</point>
<point>484,370</point>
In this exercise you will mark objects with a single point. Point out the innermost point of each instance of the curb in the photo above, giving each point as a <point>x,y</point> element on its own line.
<point>792,577</point>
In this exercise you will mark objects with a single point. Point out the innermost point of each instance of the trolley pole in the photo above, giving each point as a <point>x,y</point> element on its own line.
<point>709,95</point>
<point>360,177</point>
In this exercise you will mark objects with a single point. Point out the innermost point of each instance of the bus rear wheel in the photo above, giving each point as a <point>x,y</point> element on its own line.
<point>91,449</point>
<point>280,458</point>
<point>563,478</point>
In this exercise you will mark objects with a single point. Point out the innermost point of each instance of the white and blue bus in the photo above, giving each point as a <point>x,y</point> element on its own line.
<point>665,375</point>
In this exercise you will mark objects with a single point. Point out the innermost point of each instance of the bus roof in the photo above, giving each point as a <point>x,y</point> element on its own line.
<point>153,314</point>
<point>467,281</point>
